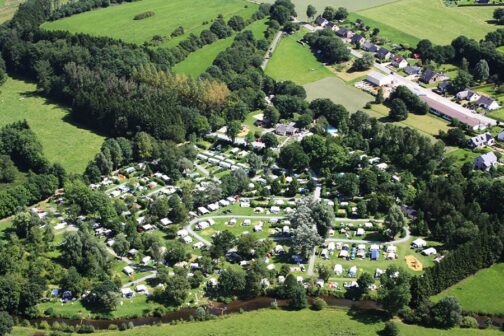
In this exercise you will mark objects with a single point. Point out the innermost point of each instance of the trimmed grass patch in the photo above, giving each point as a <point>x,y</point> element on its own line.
<point>63,142</point>
<point>482,292</point>
<point>430,19</point>
<point>295,62</point>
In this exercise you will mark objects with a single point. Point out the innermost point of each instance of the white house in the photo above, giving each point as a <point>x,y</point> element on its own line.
<point>485,161</point>
<point>399,62</point>
<point>468,95</point>
<point>487,103</point>
<point>379,79</point>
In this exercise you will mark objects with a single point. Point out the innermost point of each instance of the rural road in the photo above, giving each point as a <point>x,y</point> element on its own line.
<point>271,49</point>
<point>316,197</point>
<point>137,281</point>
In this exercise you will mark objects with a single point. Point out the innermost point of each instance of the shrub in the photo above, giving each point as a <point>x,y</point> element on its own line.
<point>86,329</point>
<point>43,325</point>
<point>49,311</point>
<point>319,304</point>
<point>113,327</point>
<point>144,15</point>
<point>390,329</point>
<point>469,322</point>
<point>177,32</point>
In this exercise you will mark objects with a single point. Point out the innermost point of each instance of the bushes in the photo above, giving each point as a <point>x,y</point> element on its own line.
<point>390,329</point>
<point>81,6</point>
<point>145,15</point>
<point>469,322</point>
<point>319,304</point>
<point>177,32</point>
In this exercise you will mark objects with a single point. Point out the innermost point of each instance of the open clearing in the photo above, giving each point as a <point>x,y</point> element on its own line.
<point>328,322</point>
<point>295,62</point>
<point>7,9</point>
<point>430,19</point>
<point>197,62</point>
<point>63,142</point>
<point>482,292</point>
<point>339,92</point>
<point>351,5</point>
<point>117,21</point>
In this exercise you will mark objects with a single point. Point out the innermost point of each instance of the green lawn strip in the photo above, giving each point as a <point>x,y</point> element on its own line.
<point>295,62</point>
<point>430,19</point>
<point>168,16</point>
<point>386,31</point>
<point>482,292</point>
<point>463,155</point>
<point>63,142</point>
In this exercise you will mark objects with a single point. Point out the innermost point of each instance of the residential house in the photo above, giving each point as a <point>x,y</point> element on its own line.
<point>444,87</point>
<point>412,70</point>
<point>487,103</point>
<point>481,140</point>
<point>284,130</point>
<point>369,47</point>
<point>383,54</point>
<point>331,26</point>
<point>321,21</point>
<point>358,39</point>
<point>485,161</point>
<point>429,77</point>
<point>468,95</point>
<point>399,62</point>
<point>345,33</point>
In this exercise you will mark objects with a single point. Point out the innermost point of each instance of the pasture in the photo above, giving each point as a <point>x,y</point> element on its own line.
<point>63,142</point>
<point>430,19</point>
<point>7,9</point>
<point>295,62</point>
<point>168,16</point>
<point>482,292</point>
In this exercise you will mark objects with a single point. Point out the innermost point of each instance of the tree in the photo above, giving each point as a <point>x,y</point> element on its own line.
<point>390,329</point>
<point>176,290</point>
<point>398,110</point>
<point>142,146</point>
<point>282,11</point>
<point>276,187</point>
<point>323,216</point>
<point>232,282</point>
<point>311,11</point>
<point>104,295</point>
<point>298,299</point>
<point>6,323</point>
<point>498,15</point>
<point>328,13</point>
<point>304,239</point>
<point>3,71</point>
<point>233,129</point>
<point>255,161</point>
<point>121,244</point>
<point>364,63</point>
<point>395,221</point>
<point>481,70</point>
<point>7,169</point>
<point>319,304</point>
<point>447,313</point>
<point>236,22</point>
<point>271,116</point>
<point>364,281</point>
<point>72,281</point>
<point>221,243</point>
<point>462,81</point>
<point>270,140</point>
<point>394,292</point>
<point>341,13</point>
<point>324,271</point>
<point>293,157</point>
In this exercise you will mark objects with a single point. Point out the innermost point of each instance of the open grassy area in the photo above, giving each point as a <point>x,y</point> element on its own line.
<point>339,92</point>
<point>482,292</point>
<point>7,9</point>
<point>63,142</point>
<point>329,322</point>
<point>197,62</point>
<point>463,155</point>
<point>168,16</point>
<point>430,19</point>
<point>292,61</point>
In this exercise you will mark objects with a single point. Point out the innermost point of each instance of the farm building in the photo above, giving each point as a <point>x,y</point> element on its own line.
<point>379,79</point>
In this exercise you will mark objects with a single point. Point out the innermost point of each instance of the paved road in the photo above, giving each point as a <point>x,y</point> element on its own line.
<point>316,197</point>
<point>271,50</point>
<point>202,169</point>
<point>137,281</point>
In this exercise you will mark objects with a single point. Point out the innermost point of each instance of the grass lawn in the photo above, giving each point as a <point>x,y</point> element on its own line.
<point>501,49</point>
<point>497,114</point>
<point>63,142</point>
<point>430,19</point>
<point>482,292</point>
<point>463,155</point>
<point>197,62</point>
<point>328,322</point>
<point>7,9</point>
<point>168,16</point>
<point>339,92</point>
<point>393,34</point>
<point>292,61</point>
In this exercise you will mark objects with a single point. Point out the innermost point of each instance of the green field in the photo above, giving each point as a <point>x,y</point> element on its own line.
<point>197,62</point>
<point>339,92</point>
<point>168,16</point>
<point>351,5</point>
<point>463,155</point>
<point>482,292</point>
<point>329,322</point>
<point>7,9</point>
<point>430,19</point>
<point>292,61</point>
<point>63,142</point>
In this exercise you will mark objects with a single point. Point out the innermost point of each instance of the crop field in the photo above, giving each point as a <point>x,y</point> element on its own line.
<point>351,5</point>
<point>63,142</point>
<point>197,62</point>
<point>430,19</point>
<point>295,62</point>
<point>339,92</point>
<point>482,292</point>
<point>168,16</point>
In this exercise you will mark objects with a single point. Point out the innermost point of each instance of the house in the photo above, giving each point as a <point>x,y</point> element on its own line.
<point>429,77</point>
<point>481,140</point>
<point>418,243</point>
<point>468,95</point>
<point>369,47</point>
<point>322,22</point>
<point>429,251</point>
<point>345,33</point>
<point>485,161</point>
<point>379,79</point>
<point>284,130</point>
<point>487,103</point>
<point>444,87</point>
<point>331,26</point>
<point>383,54</point>
<point>399,62</point>
<point>358,39</point>
<point>412,70</point>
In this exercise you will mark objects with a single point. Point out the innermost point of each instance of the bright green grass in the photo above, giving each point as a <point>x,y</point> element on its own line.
<point>292,61</point>
<point>7,9</point>
<point>63,142</point>
<point>328,322</point>
<point>501,49</point>
<point>482,292</point>
<point>339,92</point>
<point>117,21</point>
<point>430,19</point>
<point>386,31</point>
<point>197,62</point>
<point>463,155</point>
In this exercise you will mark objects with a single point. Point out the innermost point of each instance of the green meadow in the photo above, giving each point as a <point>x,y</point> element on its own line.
<point>117,21</point>
<point>7,9</point>
<point>63,142</point>
<point>482,292</point>
<point>430,19</point>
